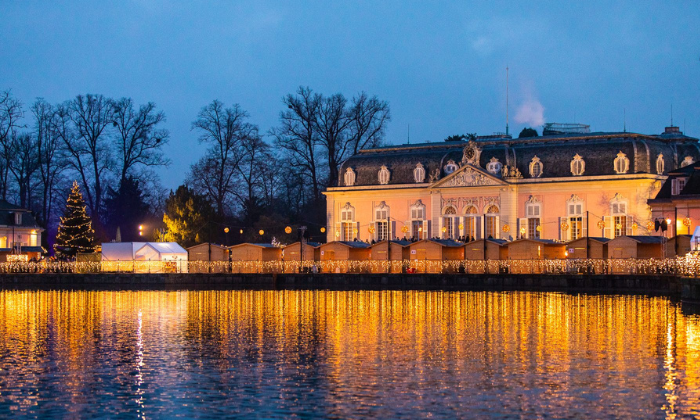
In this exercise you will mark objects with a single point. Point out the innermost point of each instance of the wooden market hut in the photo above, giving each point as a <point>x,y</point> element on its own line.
<point>536,249</point>
<point>678,246</point>
<point>427,255</point>
<point>640,247</point>
<point>597,248</point>
<point>494,249</point>
<point>208,252</point>
<point>345,252</point>
<point>395,251</point>
<point>293,259</point>
<point>251,257</point>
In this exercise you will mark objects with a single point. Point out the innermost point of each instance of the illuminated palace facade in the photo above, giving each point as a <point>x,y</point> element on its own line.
<point>560,186</point>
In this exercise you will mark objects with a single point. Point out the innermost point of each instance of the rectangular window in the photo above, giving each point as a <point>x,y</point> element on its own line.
<point>347,231</point>
<point>470,228</point>
<point>448,225</point>
<point>417,213</point>
<point>416,226</point>
<point>382,231</point>
<point>532,225</point>
<point>620,225</point>
<point>490,227</point>
<point>381,215</point>
<point>18,218</point>
<point>576,226</point>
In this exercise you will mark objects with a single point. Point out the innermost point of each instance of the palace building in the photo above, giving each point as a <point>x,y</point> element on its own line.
<point>564,185</point>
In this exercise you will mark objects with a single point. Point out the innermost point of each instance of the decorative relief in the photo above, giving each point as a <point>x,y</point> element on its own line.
<point>419,173</point>
<point>470,178</point>
<point>471,154</point>
<point>510,172</point>
<point>383,175</point>
<point>435,175</point>
<point>462,203</point>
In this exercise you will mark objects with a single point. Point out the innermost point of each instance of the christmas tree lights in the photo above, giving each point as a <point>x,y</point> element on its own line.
<point>75,232</point>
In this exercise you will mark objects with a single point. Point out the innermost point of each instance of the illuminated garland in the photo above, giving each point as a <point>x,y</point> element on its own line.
<point>685,266</point>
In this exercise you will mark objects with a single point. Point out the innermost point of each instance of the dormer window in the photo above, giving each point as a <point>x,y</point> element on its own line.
<point>349,177</point>
<point>660,164</point>
<point>450,167</point>
<point>621,163</point>
<point>18,218</point>
<point>383,175</point>
<point>578,165</point>
<point>536,167</point>
<point>419,173</point>
<point>494,166</point>
<point>687,161</point>
<point>677,185</point>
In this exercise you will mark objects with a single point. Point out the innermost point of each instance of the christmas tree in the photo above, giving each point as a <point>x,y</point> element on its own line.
<point>75,232</point>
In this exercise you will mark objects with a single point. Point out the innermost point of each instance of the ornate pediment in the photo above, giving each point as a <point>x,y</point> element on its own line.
<point>468,177</point>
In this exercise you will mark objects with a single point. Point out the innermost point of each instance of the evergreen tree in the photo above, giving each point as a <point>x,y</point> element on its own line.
<point>126,209</point>
<point>75,232</point>
<point>188,218</point>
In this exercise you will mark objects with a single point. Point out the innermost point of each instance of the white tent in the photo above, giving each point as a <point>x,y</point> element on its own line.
<point>695,240</point>
<point>144,257</point>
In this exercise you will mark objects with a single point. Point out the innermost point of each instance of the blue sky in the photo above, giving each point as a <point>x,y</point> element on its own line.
<point>440,65</point>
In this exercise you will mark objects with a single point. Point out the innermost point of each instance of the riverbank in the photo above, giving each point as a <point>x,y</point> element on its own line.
<point>642,284</point>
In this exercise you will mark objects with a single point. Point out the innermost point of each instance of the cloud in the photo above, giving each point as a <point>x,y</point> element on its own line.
<point>530,112</point>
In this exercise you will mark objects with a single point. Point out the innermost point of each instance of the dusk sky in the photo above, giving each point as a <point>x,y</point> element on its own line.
<point>441,66</point>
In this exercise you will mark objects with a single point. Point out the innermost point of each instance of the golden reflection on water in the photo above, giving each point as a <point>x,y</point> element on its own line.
<point>344,354</point>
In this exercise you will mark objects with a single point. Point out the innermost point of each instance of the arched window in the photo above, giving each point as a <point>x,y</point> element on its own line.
<point>381,222</point>
<point>449,220</point>
<point>347,222</point>
<point>419,173</point>
<point>621,163</point>
<point>578,165</point>
<point>470,219</point>
<point>687,161</point>
<point>660,164</point>
<point>494,166</point>
<point>349,177</point>
<point>418,228</point>
<point>383,175</point>
<point>450,167</point>
<point>491,222</point>
<point>536,167</point>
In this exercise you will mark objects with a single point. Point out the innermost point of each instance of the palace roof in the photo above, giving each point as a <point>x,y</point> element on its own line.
<point>555,152</point>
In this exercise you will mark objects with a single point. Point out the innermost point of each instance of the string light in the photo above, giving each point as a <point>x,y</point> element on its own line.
<point>687,222</point>
<point>404,229</point>
<point>650,226</point>
<point>506,228</point>
<point>371,230</point>
<point>601,224</point>
<point>261,232</point>
<point>288,230</point>
<point>564,226</point>
<point>323,230</point>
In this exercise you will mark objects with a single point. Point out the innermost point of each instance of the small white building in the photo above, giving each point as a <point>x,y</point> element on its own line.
<point>144,257</point>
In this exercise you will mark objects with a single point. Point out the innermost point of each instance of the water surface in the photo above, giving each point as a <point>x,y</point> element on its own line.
<point>162,354</point>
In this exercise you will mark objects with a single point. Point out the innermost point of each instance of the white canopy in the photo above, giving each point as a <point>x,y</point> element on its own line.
<point>695,240</point>
<point>168,252</point>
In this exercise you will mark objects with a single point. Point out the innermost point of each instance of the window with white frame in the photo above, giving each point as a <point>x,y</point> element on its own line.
<point>491,222</point>
<point>660,164</point>
<point>494,166</point>
<point>618,210</point>
<point>381,220</point>
<point>449,222</point>
<point>450,167</point>
<point>677,185</point>
<point>383,175</point>
<point>419,173</point>
<point>347,222</point>
<point>536,167</point>
<point>533,212</point>
<point>470,214</point>
<point>349,177</point>
<point>574,214</point>
<point>418,230</point>
<point>578,165</point>
<point>687,161</point>
<point>621,163</point>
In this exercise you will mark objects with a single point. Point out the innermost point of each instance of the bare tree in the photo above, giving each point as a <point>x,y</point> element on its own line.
<point>368,120</point>
<point>297,136</point>
<point>332,124</point>
<point>23,165</point>
<point>88,145</point>
<point>256,157</point>
<point>224,129</point>
<point>10,115</point>
<point>51,158</point>
<point>138,139</point>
